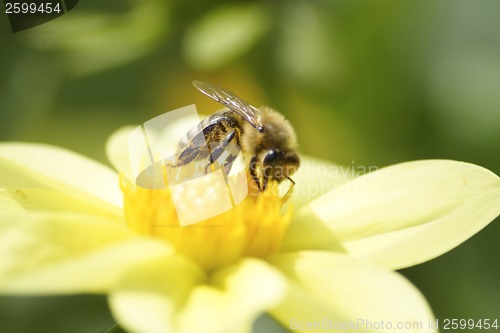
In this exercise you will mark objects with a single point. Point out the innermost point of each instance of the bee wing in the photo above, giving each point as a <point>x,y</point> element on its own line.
<point>249,112</point>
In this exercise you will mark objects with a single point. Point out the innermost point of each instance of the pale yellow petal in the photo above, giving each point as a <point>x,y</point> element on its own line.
<point>234,298</point>
<point>117,150</point>
<point>442,203</point>
<point>64,167</point>
<point>67,253</point>
<point>333,292</point>
<point>308,232</point>
<point>316,177</point>
<point>407,247</point>
<point>22,189</point>
<point>166,297</point>
<point>148,298</point>
<point>39,199</point>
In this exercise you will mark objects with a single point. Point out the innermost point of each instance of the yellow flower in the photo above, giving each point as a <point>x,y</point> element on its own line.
<point>71,225</point>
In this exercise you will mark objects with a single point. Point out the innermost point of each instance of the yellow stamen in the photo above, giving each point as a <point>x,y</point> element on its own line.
<point>255,227</point>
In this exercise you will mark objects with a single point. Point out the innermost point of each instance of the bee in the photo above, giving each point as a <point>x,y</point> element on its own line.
<point>265,138</point>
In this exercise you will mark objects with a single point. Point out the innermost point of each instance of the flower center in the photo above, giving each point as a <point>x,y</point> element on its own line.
<point>254,227</point>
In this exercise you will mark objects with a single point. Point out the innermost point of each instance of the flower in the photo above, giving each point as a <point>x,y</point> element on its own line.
<point>66,226</point>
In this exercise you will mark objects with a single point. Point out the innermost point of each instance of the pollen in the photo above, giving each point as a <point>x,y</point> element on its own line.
<point>252,228</point>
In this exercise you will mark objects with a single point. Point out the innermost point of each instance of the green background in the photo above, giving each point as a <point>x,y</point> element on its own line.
<point>366,83</point>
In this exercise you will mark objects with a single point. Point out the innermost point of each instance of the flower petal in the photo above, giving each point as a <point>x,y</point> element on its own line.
<point>72,170</point>
<point>234,298</point>
<point>147,297</point>
<point>316,177</point>
<point>67,253</point>
<point>308,232</point>
<point>37,199</point>
<point>411,212</point>
<point>161,298</point>
<point>330,291</point>
<point>117,150</point>
<point>411,246</point>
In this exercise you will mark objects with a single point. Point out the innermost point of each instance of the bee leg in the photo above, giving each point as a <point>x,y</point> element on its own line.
<point>253,172</point>
<point>290,190</point>
<point>219,149</point>
<point>187,156</point>
<point>264,183</point>
<point>195,148</point>
<point>227,166</point>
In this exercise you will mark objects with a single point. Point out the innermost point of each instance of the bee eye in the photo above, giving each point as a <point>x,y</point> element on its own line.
<point>271,157</point>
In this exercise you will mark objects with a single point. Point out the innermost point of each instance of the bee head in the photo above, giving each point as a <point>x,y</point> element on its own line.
<point>279,164</point>
<point>271,149</point>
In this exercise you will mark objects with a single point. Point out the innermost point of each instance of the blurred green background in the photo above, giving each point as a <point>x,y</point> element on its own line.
<point>364,82</point>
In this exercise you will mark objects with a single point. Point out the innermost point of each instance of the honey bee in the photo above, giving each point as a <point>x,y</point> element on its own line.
<point>266,139</point>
